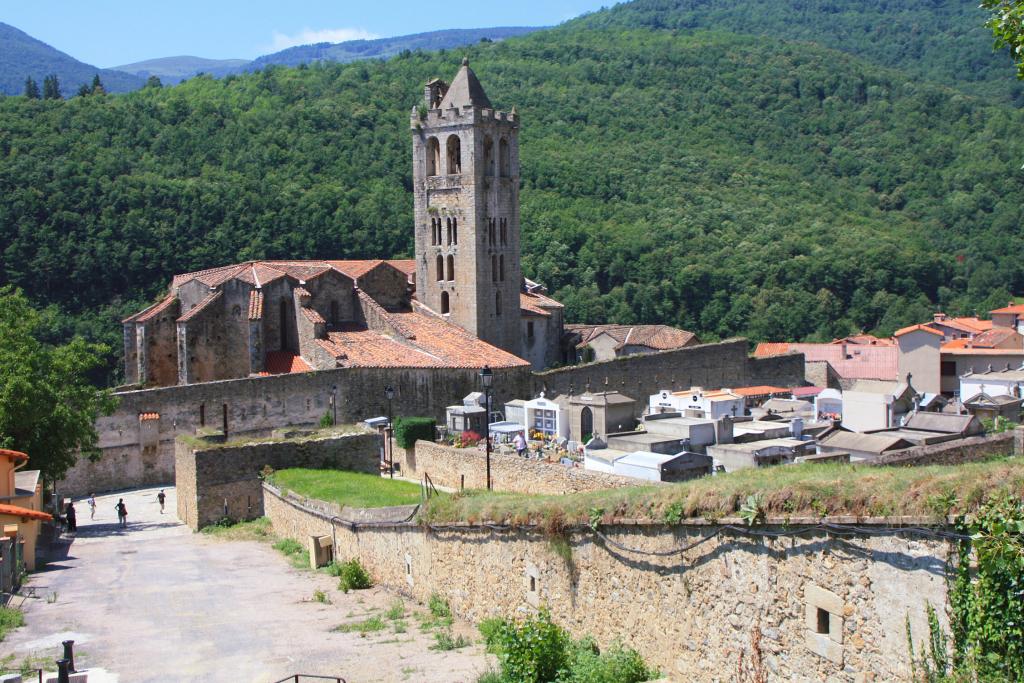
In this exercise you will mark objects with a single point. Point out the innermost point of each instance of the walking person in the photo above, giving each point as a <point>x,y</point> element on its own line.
<point>69,514</point>
<point>92,506</point>
<point>519,442</point>
<point>122,512</point>
<point>161,497</point>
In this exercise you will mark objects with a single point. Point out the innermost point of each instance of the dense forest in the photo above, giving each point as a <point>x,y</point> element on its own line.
<point>945,41</point>
<point>725,184</point>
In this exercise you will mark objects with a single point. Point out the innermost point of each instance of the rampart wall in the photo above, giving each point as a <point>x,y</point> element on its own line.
<point>216,481</point>
<point>692,613</point>
<point>971,449</point>
<point>458,468</point>
<point>255,406</point>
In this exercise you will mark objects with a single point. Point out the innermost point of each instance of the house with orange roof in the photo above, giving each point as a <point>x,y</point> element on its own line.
<point>21,504</point>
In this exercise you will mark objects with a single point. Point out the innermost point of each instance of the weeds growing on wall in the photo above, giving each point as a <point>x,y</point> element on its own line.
<point>539,651</point>
<point>986,604</point>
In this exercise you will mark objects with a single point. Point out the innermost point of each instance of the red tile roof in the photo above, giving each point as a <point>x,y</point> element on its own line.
<point>201,306</point>
<point>255,305</point>
<point>804,392</point>
<point>18,511</point>
<point>1012,308</point>
<point>431,343</point>
<point>866,339</point>
<point>153,311</point>
<point>914,328</point>
<point>13,455</point>
<point>312,316</point>
<point>861,361</point>
<point>284,362</point>
<point>535,303</point>
<point>760,390</point>
<point>406,265</point>
<point>989,339</point>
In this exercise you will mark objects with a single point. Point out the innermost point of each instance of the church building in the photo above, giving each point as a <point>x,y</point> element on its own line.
<point>461,302</point>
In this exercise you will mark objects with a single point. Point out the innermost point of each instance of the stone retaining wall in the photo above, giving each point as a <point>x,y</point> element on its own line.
<point>458,468</point>
<point>971,449</point>
<point>690,613</point>
<point>224,480</point>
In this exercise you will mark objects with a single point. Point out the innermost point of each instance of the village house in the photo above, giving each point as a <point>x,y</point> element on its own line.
<point>604,342</point>
<point>21,504</point>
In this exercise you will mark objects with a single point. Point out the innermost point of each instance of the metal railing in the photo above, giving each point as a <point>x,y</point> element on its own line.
<point>428,488</point>
<point>298,678</point>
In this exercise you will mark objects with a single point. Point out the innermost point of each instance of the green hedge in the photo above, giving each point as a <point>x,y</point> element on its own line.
<point>409,429</point>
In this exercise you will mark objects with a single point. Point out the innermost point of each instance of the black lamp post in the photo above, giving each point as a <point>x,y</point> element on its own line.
<point>487,380</point>
<point>389,394</point>
<point>334,404</point>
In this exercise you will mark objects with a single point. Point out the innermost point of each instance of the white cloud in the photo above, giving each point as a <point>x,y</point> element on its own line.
<point>307,35</point>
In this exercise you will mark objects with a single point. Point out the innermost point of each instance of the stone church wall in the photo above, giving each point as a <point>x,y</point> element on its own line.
<point>690,613</point>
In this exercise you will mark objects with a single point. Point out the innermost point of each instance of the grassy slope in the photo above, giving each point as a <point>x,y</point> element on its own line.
<point>797,490</point>
<point>351,489</point>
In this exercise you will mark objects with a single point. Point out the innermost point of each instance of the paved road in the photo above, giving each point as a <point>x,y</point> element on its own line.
<point>155,602</point>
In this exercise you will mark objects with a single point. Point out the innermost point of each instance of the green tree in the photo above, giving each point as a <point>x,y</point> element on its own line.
<point>31,89</point>
<point>154,82</point>
<point>97,86</point>
<point>48,408</point>
<point>51,88</point>
<point>1007,24</point>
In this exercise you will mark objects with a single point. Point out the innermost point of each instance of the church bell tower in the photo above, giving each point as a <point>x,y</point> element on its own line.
<point>466,185</point>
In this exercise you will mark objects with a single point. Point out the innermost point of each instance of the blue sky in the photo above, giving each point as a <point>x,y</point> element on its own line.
<point>111,32</point>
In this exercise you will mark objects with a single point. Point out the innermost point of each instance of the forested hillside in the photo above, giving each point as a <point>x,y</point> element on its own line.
<point>941,40</point>
<point>730,185</point>
<point>22,56</point>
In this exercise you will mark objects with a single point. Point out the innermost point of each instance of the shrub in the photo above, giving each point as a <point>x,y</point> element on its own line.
<point>353,576</point>
<point>327,420</point>
<point>587,664</point>
<point>438,606</point>
<point>493,629</point>
<point>445,642</point>
<point>10,619</point>
<point>471,438</point>
<point>533,651</point>
<point>409,429</point>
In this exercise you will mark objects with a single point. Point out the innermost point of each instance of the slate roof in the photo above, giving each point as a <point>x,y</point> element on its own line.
<point>658,337</point>
<point>465,89</point>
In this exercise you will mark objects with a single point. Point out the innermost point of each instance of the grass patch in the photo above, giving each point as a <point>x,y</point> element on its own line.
<point>294,551</point>
<point>365,626</point>
<point>353,489</point>
<point>787,490</point>
<point>445,642</point>
<point>396,611</point>
<point>10,619</point>
<point>254,530</point>
<point>399,626</point>
<point>439,616</point>
<point>321,597</point>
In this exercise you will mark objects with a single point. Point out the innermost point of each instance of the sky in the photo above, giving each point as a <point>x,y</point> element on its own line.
<point>108,33</point>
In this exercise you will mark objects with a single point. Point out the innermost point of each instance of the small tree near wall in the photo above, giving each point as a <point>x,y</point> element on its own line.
<point>410,429</point>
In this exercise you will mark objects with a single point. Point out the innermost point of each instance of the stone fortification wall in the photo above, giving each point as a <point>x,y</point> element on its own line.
<point>215,481</point>
<point>952,452</point>
<point>725,364</point>
<point>257,405</point>
<point>691,613</point>
<point>466,467</point>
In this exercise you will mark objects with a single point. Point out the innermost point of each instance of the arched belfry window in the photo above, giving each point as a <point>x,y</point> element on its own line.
<point>433,232</point>
<point>488,156</point>
<point>433,156</point>
<point>451,267</point>
<point>335,317</point>
<point>455,230</point>
<point>454,155</point>
<point>494,268</point>
<point>445,305</point>
<point>503,158</point>
<point>497,303</point>
<point>501,268</point>
<point>440,267</point>
<point>448,222</point>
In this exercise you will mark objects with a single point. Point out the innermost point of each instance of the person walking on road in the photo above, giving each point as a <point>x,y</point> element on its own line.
<point>92,506</point>
<point>161,497</point>
<point>69,514</point>
<point>520,445</point>
<point>122,512</point>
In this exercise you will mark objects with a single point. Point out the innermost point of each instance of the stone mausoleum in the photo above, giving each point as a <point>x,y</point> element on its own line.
<point>462,302</point>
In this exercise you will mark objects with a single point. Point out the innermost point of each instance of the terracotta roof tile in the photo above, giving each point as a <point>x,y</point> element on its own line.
<point>255,305</point>
<point>861,361</point>
<point>535,303</point>
<point>201,306</point>
<point>760,390</point>
<point>153,311</point>
<point>406,265</point>
<point>18,511</point>
<point>284,362</point>
<point>356,269</point>
<point>13,455</point>
<point>766,349</point>
<point>1012,308</point>
<point>915,328</point>
<point>660,337</point>
<point>312,316</point>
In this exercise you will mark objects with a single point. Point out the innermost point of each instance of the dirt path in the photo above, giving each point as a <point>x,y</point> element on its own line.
<point>155,602</point>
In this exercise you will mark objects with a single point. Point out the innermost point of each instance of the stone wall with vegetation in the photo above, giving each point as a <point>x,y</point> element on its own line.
<point>215,481</point>
<point>459,468</point>
<point>952,452</point>
<point>692,613</point>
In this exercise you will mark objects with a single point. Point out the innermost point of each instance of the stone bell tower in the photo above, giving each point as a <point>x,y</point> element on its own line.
<point>466,185</point>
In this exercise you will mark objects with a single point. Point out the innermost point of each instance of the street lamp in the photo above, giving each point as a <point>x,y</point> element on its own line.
<point>487,379</point>
<point>334,404</point>
<point>389,394</point>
